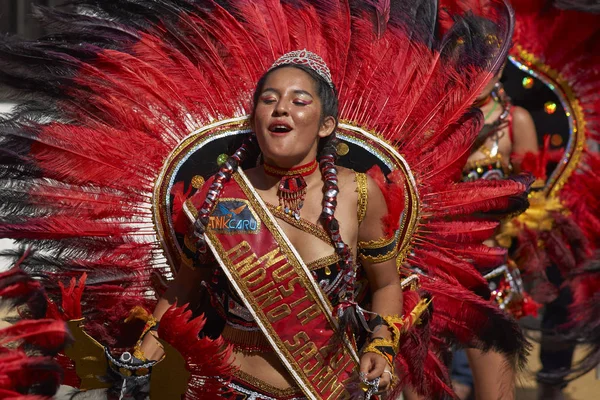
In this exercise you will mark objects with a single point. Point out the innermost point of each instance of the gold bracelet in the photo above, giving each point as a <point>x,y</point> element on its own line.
<point>395,324</point>
<point>151,321</point>
<point>383,347</point>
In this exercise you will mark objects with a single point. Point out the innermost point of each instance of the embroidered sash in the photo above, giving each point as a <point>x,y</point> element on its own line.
<point>280,292</point>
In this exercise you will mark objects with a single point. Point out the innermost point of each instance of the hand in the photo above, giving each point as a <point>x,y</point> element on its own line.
<point>373,366</point>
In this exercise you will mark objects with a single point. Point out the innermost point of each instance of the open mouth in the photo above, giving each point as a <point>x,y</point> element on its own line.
<point>279,127</point>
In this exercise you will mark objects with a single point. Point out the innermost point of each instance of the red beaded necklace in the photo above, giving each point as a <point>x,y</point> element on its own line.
<point>292,186</point>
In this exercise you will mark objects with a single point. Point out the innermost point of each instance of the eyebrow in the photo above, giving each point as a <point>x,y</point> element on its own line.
<point>298,91</point>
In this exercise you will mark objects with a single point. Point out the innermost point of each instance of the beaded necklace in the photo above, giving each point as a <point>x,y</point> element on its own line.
<point>291,190</point>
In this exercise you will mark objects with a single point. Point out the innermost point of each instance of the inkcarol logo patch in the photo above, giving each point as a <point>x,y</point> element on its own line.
<point>233,216</point>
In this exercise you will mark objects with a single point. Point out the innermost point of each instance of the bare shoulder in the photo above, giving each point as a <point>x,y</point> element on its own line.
<point>371,227</point>
<point>345,173</point>
<point>377,205</point>
<point>521,115</point>
<point>525,137</point>
<point>346,179</point>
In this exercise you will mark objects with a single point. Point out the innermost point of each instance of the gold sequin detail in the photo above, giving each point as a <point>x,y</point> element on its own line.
<point>379,259</point>
<point>324,262</point>
<point>362,188</point>
<point>480,165</point>
<point>570,161</point>
<point>377,243</point>
<point>342,149</point>
<point>197,181</point>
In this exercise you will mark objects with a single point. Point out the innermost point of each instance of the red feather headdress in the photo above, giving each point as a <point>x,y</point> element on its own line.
<point>117,87</point>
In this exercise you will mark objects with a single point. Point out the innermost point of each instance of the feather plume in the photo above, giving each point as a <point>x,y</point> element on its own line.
<point>117,85</point>
<point>181,331</point>
<point>493,328</point>
<point>25,369</point>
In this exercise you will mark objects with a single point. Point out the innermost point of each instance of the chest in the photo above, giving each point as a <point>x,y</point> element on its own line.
<point>307,234</point>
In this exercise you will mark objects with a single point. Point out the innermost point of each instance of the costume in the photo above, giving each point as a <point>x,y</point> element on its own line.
<point>557,236</point>
<point>556,83</point>
<point>123,141</point>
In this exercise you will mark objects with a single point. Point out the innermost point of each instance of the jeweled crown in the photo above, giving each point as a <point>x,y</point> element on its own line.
<point>308,58</point>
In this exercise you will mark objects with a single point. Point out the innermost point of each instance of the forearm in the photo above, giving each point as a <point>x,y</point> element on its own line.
<point>387,301</point>
<point>183,290</point>
<point>150,346</point>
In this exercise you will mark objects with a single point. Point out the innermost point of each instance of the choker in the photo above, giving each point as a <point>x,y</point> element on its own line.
<point>292,186</point>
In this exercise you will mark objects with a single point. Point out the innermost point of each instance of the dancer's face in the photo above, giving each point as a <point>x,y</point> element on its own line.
<point>288,118</point>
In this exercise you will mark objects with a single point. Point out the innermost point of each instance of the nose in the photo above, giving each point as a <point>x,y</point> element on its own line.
<point>280,109</point>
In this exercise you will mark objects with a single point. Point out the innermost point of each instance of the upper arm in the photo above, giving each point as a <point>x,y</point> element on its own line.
<point>371,228</point>
<point>376,252</point>
<point>525,136</point>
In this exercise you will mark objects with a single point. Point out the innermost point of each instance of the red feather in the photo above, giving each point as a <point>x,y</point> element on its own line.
<point>19,372</point>
<point>204,357</point>
<point>150,78</point>
<point>47,334</point>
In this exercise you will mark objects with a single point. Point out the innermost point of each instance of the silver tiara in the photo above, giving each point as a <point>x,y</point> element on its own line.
<point>308,58</point>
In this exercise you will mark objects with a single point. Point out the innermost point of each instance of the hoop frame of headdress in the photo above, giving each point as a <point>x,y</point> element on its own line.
<point>535,67</point>
<point>361,149</point>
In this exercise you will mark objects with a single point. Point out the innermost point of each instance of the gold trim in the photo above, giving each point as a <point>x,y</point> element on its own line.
<point>373,348</point>
<point>324,262</point>
<point>485,162</point>
<point>265,387</point>
<point>303,273</point>
<point>377,243</point>
<point>379,259</point>
<point>289,249</point>
<point>191,208</point>
<point>375,143</point>
<point>301,224</point>
<point>348,131</point>
<point>362,189</point>
<point>159,215</point>
<point>578,124</point>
